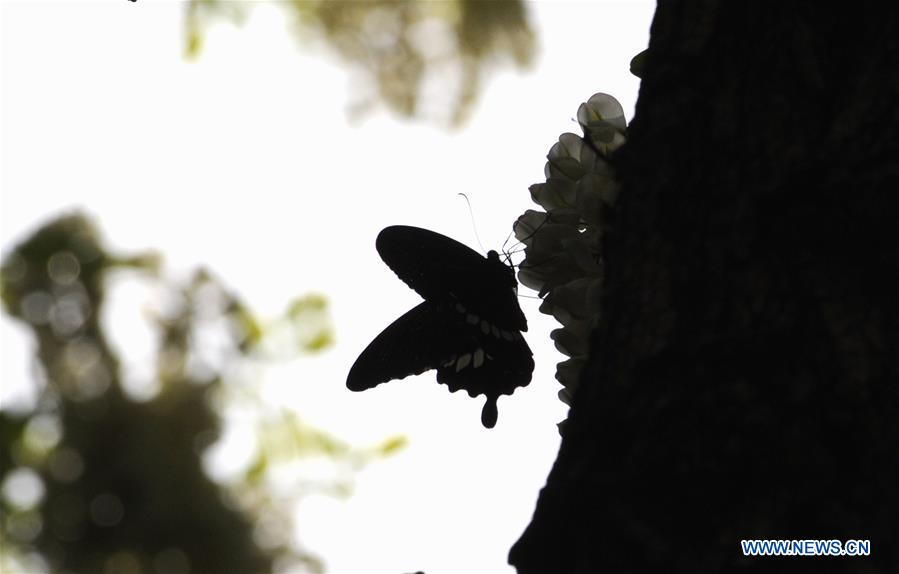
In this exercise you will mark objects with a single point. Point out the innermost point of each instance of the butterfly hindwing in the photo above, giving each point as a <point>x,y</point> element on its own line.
<point>490,366</point>
<point>468,328</point>
<point>416,342</point>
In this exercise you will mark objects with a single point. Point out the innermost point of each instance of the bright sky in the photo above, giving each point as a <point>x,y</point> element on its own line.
<point>101,112</point>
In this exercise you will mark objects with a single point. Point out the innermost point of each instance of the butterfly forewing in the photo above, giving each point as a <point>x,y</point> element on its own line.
<point>443,270</point>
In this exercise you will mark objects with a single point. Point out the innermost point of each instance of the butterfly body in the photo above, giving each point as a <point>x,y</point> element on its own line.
<point>468,327</point>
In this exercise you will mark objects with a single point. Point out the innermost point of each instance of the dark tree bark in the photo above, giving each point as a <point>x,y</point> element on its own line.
<point>744,382</point>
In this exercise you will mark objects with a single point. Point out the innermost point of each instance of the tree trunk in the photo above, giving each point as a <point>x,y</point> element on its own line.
<point>744,381</point>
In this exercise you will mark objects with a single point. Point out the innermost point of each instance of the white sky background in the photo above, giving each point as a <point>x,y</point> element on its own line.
<point>244,160</point>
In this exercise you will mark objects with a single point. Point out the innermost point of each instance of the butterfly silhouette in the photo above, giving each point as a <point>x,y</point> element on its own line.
<point>468,327</point>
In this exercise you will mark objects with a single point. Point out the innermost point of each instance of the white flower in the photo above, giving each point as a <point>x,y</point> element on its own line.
<point>602,120</point>
<point>562,243</point>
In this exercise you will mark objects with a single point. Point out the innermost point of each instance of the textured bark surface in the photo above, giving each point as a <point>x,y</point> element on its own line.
<point>744,382</point>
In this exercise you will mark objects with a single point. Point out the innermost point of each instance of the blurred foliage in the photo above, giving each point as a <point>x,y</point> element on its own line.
<point>94,481</point>
<point>309,315</point>
<point>398,48</point>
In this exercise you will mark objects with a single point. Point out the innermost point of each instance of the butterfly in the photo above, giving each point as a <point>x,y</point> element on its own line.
<point>468,327</point>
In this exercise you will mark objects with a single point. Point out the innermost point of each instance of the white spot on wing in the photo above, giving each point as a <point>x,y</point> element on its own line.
<point>463,362</point>
<point>478,358</point>
<point>472,318</point>
<point>495,331</point>
<point>507,335</point>
<point>485,326</point>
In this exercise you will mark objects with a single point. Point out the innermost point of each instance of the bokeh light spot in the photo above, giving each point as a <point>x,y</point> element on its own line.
<point>63,267</point>
<point>36,307</point>
<point>23,488</point>
<point>69,314</point>
<point>24,526</point>
<point>80,355</point>
<point>107,510</point>
<point>92,382</point>
<point>42,433</point>
<point>66,465</point>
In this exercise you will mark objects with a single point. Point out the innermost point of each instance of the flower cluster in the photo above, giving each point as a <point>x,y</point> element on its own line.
<point>562,244</point>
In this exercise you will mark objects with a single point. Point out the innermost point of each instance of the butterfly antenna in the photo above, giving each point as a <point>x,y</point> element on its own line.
<point>473,225</point>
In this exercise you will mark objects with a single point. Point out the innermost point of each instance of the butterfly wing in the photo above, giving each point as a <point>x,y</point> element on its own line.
<point>446,272</point>
<point>411,345</point>
<point>489,366</point>
<point>468,354</point>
